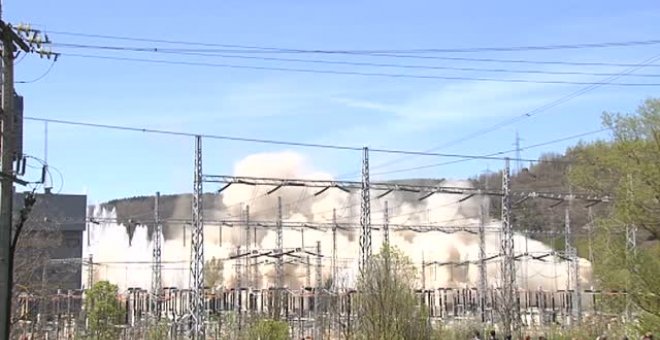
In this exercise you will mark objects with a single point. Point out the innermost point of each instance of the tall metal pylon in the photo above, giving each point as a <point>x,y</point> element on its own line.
<point>156,268</point>
<point>509,309</point>
<point>483,275</point>
<point>308,271</point>
<point>279,268</point>
<point>386,225</point>
<point>631,252</point>
<point>573,277</point>
<point>238,307</point>
<point>196,308</point>
<point>365,214</point>
<point>247,281</point>
<point>317,292</point>
<point>334,245</point>
<point>568,250</point>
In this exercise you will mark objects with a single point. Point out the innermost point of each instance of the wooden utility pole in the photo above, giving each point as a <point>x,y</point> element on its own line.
<point>9,39</point>
<point>12,42</point>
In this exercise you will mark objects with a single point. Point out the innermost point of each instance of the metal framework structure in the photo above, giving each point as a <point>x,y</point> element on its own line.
<point>247,280</point>
<point>348,226</point>
<point>509,311</point>
<point>508,301</point>
<point>318,285</point>
<point>483,276</point>
<point>631,248</point>
<point>386,188</point>
<point>279,269</point>
<point>156,270</point>
<point>386,224</point>
<point>196,309</point>
<point>334,244</point>
<point>573,267</point>
<point>365,214</point>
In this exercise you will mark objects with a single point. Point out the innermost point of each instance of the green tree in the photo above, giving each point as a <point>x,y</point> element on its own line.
<point>266,329</point>
<point>103,311</point>
<point>388,306</point>
<point>628,169</point>
<point>213,272</point>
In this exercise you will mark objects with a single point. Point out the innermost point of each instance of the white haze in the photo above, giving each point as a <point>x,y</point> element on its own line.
<point>128,265</point>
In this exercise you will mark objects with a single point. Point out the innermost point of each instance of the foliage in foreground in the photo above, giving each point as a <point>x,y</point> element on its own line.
<point>103,311</point>
<point>627,168</point>
<point>267,329</point>
<point>388,306</point>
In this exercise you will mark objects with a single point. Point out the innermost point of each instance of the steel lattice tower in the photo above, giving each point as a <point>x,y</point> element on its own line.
<point>386,225</point>
<point>280,245</point>
<point>631,252</point>
<point>483,275</point>
<point>279,268</point>
<point>196,308</point>
<point>247,280</point>
<point>334,246</point>
<point>509,306</point>
<point>365,214</point>
<point>156,269</point>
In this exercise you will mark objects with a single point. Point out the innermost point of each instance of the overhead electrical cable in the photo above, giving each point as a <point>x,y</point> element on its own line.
<point>554,141</point>
<point>534,112</point>
<point>264,141</point>
<point>352,63</point>
<point>356,73</point>
<point>629,43</point>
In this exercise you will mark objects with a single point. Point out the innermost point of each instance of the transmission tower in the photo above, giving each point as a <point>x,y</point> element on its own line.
<point>386,225</point>
<point>334,245</point>
<point>280,259</point>
<point>317,291</point>
<point>573,266</point>
<point>518,149</point>
<point>509,306</point>
<point>237,289</point>
<point>308,271</point>
<point>483,278</point>
<point>246,272</point>
<point>365,214</point>
<point>631,252</point>
<point>196,309</point>
<point>156,259</point>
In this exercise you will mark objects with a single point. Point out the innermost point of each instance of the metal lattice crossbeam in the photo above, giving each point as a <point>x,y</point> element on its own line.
<point>386,188</point>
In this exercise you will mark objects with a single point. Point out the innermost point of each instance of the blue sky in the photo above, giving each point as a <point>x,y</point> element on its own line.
<point>414,114</point>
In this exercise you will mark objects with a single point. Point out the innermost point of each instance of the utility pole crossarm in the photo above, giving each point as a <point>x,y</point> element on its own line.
<point>9,36</point>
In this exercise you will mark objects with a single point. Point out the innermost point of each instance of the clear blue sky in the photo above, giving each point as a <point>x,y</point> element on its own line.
<point>415,114</point>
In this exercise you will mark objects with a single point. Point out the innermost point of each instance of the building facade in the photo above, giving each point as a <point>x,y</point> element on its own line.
<point>50,246</point>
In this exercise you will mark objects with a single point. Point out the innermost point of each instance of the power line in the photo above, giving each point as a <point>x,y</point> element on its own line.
<point>42,76</point>
<point>350,63</point>
<point>355,73</point>
<point>533,112</point>
<point>353,51</point>
<point>554,141</point>
<point>264,141</point>
<point>406,56</point>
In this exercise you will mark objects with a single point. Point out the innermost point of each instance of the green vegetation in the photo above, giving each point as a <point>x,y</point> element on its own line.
<point>103,311</point>
<point>628,168</point>
<point>388,306</point>
<point>158,331</point>
<point>213,272</point>
<point>266,329</point>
